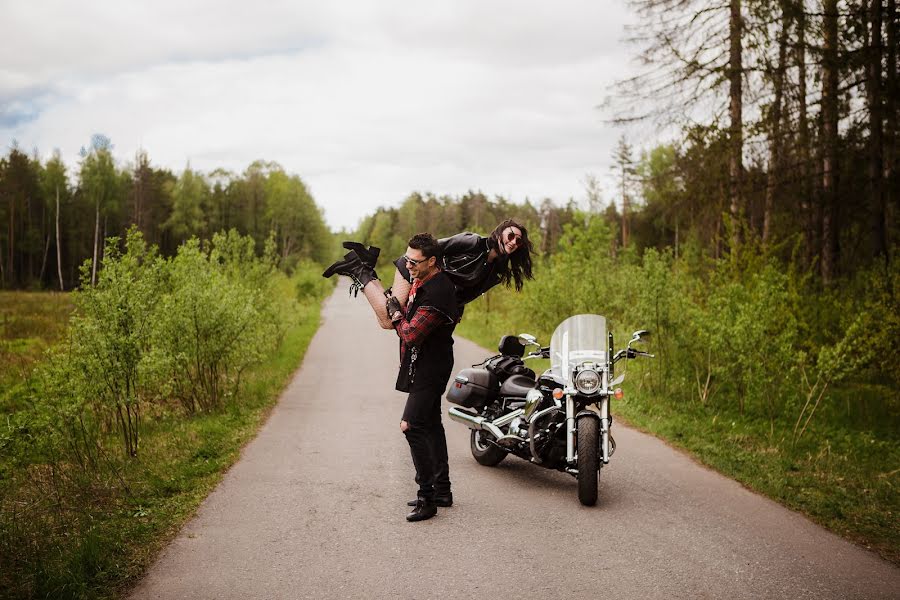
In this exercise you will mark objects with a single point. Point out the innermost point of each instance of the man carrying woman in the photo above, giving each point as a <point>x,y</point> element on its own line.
<point>432,283</point>
<point>474,264</point>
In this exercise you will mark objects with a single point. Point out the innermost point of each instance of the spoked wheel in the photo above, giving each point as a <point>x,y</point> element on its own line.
<point>484,452</point>
<point>588,460</point>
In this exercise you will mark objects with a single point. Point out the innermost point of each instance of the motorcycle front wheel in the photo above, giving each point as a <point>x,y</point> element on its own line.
<point>483,451</point>
<point>588,460</point>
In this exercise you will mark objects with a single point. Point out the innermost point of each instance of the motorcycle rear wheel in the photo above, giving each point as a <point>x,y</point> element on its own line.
<point>485,453</point>
<point>588,460</point>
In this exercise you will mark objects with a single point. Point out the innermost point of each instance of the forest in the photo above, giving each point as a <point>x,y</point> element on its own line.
<point>55,216</point>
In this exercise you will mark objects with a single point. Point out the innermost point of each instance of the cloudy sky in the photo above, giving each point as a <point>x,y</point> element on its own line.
<point>366,100</point>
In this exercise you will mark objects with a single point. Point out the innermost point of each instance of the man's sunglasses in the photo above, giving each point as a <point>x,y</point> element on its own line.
<point>413,261</point>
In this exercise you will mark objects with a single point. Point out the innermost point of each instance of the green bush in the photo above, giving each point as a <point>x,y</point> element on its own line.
<point>110,335</point>
<point>311,286</point>
<point>744,332</point>
<point>216,320</point>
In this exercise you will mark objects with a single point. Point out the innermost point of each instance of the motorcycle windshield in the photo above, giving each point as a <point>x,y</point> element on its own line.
<point>578,339</point>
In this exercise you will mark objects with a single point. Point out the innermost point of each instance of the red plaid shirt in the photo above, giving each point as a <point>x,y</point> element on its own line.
<point>425,320</point>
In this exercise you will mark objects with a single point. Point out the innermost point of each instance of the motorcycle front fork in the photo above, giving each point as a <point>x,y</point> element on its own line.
<point>605,422</point>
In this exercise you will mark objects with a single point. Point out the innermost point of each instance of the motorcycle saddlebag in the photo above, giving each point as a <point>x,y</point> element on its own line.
<point>473,388</point>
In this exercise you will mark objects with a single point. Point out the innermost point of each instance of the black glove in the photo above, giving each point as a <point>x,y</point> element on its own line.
<point>393,306</point>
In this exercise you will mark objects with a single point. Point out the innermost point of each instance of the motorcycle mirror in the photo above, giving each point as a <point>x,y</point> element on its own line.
<point>528,339</point>
<point>639,335</point>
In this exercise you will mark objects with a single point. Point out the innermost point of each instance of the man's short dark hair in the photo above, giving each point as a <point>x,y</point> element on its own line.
<point>427,244</point>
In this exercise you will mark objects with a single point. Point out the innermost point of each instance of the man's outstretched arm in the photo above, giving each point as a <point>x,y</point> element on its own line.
<point>425,320</point>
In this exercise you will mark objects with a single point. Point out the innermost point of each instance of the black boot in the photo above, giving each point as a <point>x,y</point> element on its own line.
<point>423,510</point>
<point>439,501</point>
<point>336,267</point>
<point>368,256</point>
<point>355,269</point>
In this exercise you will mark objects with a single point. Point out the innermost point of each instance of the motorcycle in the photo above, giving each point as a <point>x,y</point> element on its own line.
<point>546,419</point>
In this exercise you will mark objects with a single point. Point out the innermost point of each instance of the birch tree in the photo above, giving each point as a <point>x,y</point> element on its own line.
<point>56,190</point>
<point>100,185</point>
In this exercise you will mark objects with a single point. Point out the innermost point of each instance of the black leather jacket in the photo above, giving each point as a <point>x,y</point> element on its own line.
<point>465,262</point>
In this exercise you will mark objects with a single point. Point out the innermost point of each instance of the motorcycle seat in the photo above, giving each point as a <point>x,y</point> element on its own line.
<point>517,385</point>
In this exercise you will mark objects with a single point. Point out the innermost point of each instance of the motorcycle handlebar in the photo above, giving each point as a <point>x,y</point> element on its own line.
<point>624,353</point>
<point>631,353</point>
<point>544,353</point>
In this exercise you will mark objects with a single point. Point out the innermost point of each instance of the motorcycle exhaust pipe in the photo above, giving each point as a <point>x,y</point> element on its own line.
<point>474,422</point>
<point>481,424</point>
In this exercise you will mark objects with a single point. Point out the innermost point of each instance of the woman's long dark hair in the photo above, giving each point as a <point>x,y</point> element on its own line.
<point>518,267</point>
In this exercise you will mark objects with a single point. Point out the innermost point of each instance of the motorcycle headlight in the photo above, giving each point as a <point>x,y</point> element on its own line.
<point>587,381</point>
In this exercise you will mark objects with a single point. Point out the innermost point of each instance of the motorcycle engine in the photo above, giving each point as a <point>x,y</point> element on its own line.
<point>549,444</point>
<point>519,427</point>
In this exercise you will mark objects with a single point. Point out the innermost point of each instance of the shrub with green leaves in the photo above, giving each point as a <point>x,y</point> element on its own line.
<point>215,321</point>
<point>110,335</point>
<point>743,332</point>
<point>310,283</point>
<point>749,331</point>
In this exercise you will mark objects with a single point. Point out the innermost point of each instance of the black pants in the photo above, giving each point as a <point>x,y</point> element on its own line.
<point>427,443</point>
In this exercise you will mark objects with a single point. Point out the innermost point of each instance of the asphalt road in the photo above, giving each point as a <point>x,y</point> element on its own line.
<point>315,509</point>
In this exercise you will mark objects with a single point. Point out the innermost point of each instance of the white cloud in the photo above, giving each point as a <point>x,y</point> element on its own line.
<point>366,102</point>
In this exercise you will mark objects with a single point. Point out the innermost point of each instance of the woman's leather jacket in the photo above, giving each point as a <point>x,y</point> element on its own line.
<point>465,262</point>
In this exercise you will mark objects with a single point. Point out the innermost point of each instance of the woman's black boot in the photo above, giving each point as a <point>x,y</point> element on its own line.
<point>367,255</point>
<point>336,267</point>
<point>352,267</point>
